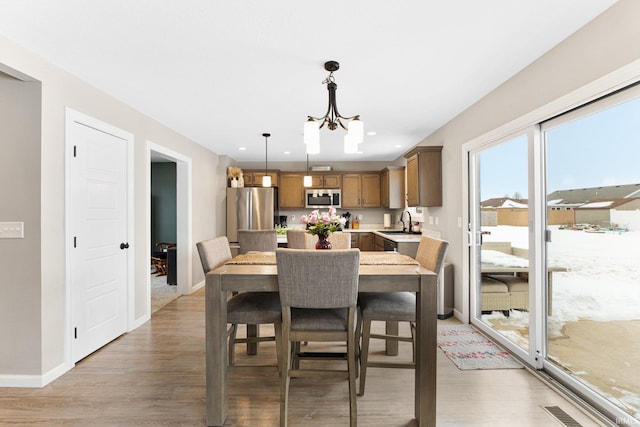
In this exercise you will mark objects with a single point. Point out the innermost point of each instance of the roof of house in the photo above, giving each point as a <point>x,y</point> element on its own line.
<point>607,203</point>
<point>583,195</point>
<point>505,202</point>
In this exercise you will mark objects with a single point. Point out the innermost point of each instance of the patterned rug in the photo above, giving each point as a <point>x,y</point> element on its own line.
<point>469,349</point>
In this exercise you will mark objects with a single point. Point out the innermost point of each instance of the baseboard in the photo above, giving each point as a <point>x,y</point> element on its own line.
<point>34,381</point>
<point>197,287</point>
<point>139,322</point>
<point>445,316</point>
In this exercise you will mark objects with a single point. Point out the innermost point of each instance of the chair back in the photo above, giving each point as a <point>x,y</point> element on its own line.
<point>296,239</point>
<point>318,278</point>
<point>340,240</point>
<point>431,252</point>
<point>213,253</point>
<point>257,240</point>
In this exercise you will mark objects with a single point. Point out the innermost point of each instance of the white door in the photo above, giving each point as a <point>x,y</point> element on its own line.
<point>98,232</point>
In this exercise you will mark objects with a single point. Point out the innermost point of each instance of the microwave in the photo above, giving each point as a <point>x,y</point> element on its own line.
<point>322,198</point>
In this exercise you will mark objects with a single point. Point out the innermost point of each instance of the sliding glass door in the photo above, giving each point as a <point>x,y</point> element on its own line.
<point>554,249</point>
<point>593,185</point>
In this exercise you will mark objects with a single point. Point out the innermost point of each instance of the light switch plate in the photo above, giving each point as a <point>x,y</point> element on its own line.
<point>11,230</point>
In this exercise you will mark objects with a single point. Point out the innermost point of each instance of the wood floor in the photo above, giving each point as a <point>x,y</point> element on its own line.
<point>154,376</point>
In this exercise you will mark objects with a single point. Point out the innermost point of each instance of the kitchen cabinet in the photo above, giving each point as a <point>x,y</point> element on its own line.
<point>392,195</point>
<point>378,242</point>
<point>361,190</point>
<point>331,181</point>
<point>365,241</point>
<point>253,178</point>
<point>424,176</point>
<point>291,191</point>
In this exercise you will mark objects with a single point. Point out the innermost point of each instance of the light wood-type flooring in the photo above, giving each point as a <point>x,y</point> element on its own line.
<point>154,376</point>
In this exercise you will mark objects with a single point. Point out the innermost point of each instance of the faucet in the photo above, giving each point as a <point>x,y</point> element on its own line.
<point>404,227</point>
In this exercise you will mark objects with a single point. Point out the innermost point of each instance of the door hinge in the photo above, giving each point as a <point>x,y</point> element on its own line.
<point>547,236</point>
<point>75,333</point>
<point>75,242</point>
<point>74,151</point>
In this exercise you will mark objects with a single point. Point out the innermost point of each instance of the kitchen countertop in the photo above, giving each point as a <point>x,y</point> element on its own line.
<point>415,237</point>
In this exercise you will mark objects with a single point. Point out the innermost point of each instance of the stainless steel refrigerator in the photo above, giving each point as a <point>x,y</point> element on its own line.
<point>253,208</point>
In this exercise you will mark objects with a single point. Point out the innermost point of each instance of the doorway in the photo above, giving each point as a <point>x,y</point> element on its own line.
<point>183,208</point>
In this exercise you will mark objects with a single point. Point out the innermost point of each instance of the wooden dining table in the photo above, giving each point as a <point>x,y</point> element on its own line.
<point>379,272</point>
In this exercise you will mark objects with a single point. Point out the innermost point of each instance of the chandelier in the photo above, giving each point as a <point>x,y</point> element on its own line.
<point>333,119</point>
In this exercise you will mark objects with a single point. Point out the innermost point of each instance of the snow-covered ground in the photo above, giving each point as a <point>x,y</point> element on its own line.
<point>602,282</point>
<point>603,278</point>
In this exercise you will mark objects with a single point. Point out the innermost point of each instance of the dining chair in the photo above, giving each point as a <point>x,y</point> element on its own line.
<point>251,308</point>
<point>257,240</point>
<point>340,240</point>
<point>318,294</point>
<point>297,239</point>
<point>395,307</point>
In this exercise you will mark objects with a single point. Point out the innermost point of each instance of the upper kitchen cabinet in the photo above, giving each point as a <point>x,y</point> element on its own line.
<point>329,181</point>
<point>253,178</point>
<point>361,190</point>
<point>392,188</point>
<point>424,176</point>
<point>291,192</point>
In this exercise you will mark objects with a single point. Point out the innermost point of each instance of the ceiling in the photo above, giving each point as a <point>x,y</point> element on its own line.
<point>223,73</point>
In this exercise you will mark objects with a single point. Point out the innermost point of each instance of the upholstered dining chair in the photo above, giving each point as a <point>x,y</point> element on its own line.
<point>252,308</point>
<point>318,294</point>
<point>395,306</point>
<point>340,240</point>
<point>297,239</point>
<point>257,240</point>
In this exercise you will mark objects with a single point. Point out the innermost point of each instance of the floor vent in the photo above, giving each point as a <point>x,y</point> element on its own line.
<point>562,416</point>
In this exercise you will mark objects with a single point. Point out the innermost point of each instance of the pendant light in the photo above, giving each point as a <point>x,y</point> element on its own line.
<point>307,180</point>
<point>266,179</point>
<point>333,119</point>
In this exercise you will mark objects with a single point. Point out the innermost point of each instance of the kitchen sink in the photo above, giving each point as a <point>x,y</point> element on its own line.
<point>397,232</point>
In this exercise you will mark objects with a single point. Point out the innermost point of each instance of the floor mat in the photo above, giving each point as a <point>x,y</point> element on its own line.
<point>469,349</point>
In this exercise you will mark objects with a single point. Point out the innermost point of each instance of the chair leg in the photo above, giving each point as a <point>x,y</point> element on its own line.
<point>232,344</point>
<point>278,332</point>
<point>352,366</point>
<point>364,354</point>
<point>285,365</point>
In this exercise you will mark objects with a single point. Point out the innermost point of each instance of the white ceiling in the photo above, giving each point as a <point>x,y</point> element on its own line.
<point>224,72</point>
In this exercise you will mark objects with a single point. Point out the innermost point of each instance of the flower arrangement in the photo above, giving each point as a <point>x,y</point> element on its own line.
<point>234,172</point>
<point>323,223</point>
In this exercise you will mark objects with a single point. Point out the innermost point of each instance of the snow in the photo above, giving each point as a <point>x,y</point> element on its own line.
<point>596,205</point>
<point>512,204</point>
<point>603,278</point>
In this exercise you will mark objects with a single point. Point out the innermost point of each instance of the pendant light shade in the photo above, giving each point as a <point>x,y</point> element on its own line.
<point>312,136</point>
<point>266,179</point>
<point>307,181</point>
<point>350,145</point>
<point>356,130</point>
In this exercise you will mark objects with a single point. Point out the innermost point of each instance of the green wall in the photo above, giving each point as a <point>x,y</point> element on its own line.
<point>163,203</point>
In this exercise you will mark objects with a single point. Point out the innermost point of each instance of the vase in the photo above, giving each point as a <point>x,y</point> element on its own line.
<point>323,243</point>
<point>234,182</point>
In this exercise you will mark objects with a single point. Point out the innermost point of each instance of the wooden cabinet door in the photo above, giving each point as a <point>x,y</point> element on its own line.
<point>370,191</point>
<point>331,181</point>
<point>291,193</point>
<point>351,191</point>
<point>365,242</point>
<point>317,181</point>
<point>384,188</point>
<point>413,189</point>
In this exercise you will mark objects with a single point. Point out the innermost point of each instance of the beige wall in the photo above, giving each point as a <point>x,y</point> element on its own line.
<point>41,303</point>
<point>571,71</point>
<point>20,192</point>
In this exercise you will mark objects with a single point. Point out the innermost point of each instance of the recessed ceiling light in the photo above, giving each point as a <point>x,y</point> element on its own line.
<point>242,148</point>
<point>397,146</point>
<point>287,152</point>
<point>371,133</point>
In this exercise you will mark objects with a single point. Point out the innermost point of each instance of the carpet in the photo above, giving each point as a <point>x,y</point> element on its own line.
<point>468,349</point>
<point>161,293</point>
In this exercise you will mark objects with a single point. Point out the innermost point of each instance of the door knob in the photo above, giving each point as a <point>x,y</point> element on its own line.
<point>124,245</point>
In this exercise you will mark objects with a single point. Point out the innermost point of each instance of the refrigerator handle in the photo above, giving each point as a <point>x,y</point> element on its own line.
<point>250,210</point>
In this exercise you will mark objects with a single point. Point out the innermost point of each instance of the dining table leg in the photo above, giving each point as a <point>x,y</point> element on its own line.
<point>426,362</point>
<point>216,356</point>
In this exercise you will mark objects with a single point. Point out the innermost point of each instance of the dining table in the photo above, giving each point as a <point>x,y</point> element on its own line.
<point>378,272</point>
